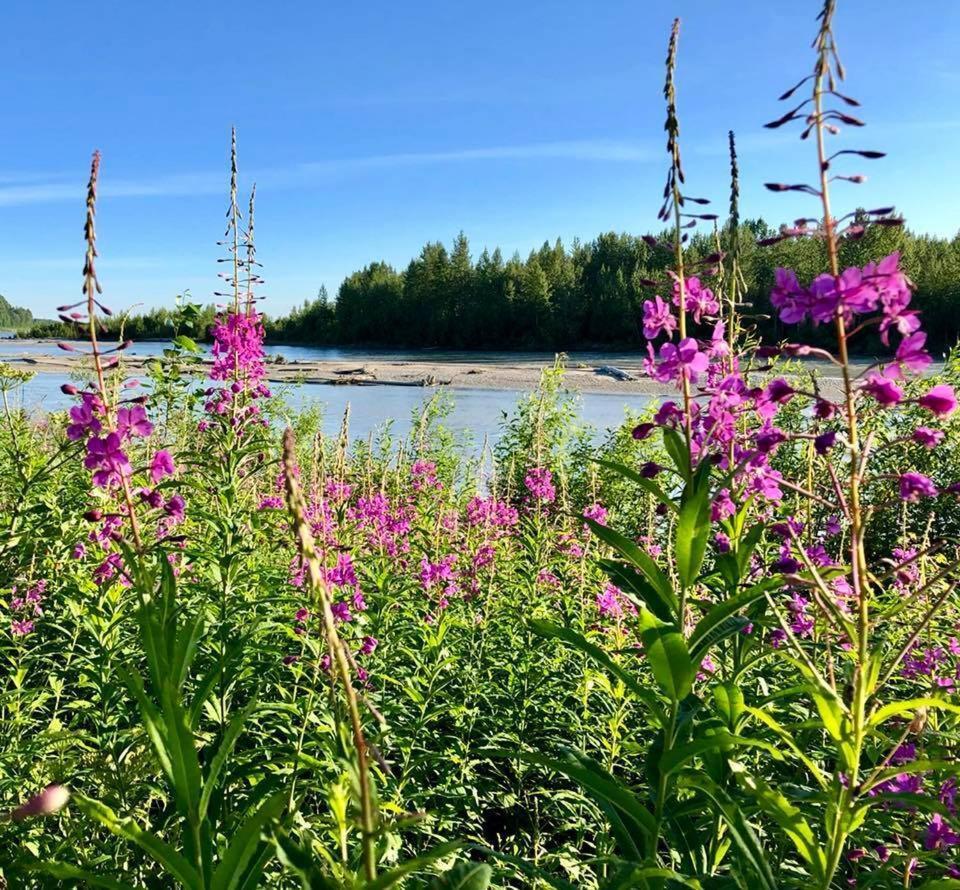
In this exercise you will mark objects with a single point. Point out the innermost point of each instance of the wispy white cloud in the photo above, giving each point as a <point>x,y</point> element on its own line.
<point>305,174</point>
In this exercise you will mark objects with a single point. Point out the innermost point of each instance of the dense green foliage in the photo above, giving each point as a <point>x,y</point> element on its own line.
<point>14,317</point>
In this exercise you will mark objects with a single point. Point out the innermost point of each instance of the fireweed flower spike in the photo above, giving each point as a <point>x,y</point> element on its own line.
<point>850,299</point>
<point>335,647</point>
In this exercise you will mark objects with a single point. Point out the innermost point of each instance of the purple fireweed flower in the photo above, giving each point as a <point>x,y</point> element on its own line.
<point>940,400</point>
<point>650,469</point>
<point>424,475</point>
<point>539,482</point>
<point>777,637</point>
<point>85,417</point>
<point>152,497</point>
<point>907,570</point>
<point>718,347</point>
<point>939,835</point>
<point>848,294</point>
<point>911,356</point>
<point>832,526</point>
<point>801,624</point>
<point>133,422</point>
<point>883,389</point>
<point>721,541</point>
<point>668,414</point>
<point>175,508</point>
<point>657,317</point>
<point>824,410</point>
<point>778,391</point>
<point>161,466</point>
<point>596,512</point>
<point>611,603</point>
<point>700,300</point>
<point>708,667</point>
<point>106,457</point>
<point>642,431</point>
<point>905,753</point>
<point>824,442</point>
<point>681,360</point>
<point>789,297</point>
<point>928,438</point>
<point>723,506</point>
<point>434,573</point>
<point>914,486</point>
<point>341,612</point>
<point>21,627</point>
<point>769,438</point>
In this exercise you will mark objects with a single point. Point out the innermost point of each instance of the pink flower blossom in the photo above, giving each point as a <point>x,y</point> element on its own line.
<point>657,317</point>
<point>539,482</point>
<point>914,486</point>
<point>161,466</point>
<point>940,400</point>
<point>883,389</point>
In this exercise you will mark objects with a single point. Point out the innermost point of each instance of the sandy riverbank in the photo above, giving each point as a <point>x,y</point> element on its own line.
<point>465,374</point>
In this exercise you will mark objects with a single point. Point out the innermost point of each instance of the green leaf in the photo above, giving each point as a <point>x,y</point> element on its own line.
<point>185,763</point>
<point>220,758</point>
<point>245,842</point>
<point>594,782</point>
<point>728,698</point>
<point>646,484</point>
<point>787,738</point>
<point>186,344</point>
<point>666,651</point>
<point>787,816</point>
<point>185,650</point>
<point>631,837</point>
<point>693,526</point>
<point>730,626</point>
<point>723,610</point>
<point>162,853</point>
<point>637,557</point>
<point>152,721</point>
<point>399,872</point>
<point>635,585</point>
<point>67,872</point>
<point>568,635</point>
<point>741,832</point>
<point>895,709</point>
<point>676,447</point>
<point>675,757</point>
<point>464,876</point>
<point>526,868</point>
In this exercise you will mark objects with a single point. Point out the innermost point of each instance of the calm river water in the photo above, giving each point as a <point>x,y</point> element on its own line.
<point>477,413</point>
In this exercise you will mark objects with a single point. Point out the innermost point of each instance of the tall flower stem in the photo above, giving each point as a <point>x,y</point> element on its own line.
<point>340,662</point>
<point>838,834</point>
<point>92,289</point>
<point>675,177</point>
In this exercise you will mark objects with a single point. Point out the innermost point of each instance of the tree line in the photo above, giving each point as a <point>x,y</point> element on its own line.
<point>588,295</point>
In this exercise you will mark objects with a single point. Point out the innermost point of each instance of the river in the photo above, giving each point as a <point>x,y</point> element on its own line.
<point>476,414</point>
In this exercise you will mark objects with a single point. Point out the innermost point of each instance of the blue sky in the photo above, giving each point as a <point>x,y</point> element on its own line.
<point>372,127</point>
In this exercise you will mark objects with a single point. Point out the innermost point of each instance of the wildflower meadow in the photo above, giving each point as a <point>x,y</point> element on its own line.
<point>718,647</point>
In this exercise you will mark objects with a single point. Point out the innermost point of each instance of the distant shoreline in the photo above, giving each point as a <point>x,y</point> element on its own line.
<point>618,374</point>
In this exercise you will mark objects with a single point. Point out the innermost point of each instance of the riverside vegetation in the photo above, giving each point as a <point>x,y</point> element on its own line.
<point>718,650</point>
